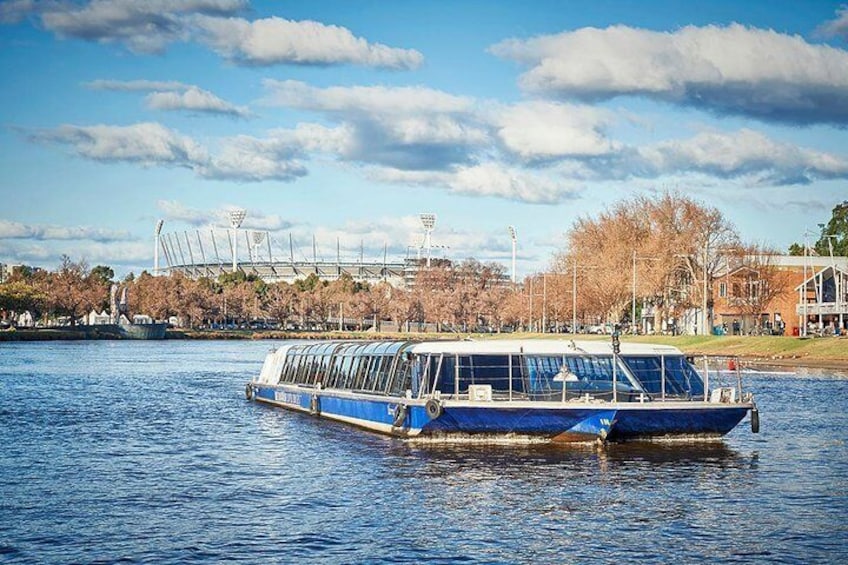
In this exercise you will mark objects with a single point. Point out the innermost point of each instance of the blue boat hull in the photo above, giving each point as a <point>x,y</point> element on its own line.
<point>649,422</point>
<point>409,418</point>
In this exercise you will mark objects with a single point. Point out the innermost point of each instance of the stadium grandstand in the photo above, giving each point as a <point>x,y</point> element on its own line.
<point>210,253</point>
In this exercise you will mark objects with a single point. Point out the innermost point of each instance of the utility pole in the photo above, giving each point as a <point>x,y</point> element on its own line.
<point>574,298</point>
<point>633,305</point>
<point>705,321</point>
<point>514,236</point>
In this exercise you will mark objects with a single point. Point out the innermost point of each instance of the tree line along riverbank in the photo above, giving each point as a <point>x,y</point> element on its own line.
<point>772,350</point>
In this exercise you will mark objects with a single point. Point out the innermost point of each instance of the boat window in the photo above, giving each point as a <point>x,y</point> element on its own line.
<point>493,370</point>
<point>585,374</point>
<point>402,380</point>
<point>681,379</point>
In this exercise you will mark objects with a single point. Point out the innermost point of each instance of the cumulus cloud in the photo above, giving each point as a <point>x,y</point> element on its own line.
<point>733,69</point>
<point>745,153</point>
<point>278,156</point>
<point>116,254</point>
<point>243,158</point>
<point>175,211</point>
<point>547,130</point>
<point>143,27</point>
<point>274,40</point>
<point>837,27</point>
<point>152,25</point>
<point>194,99</point>
<point>16,230</point>
<point>145,143</point>
<point>13,11</point>
<point>411,128</point>
<point>488,179</point>
<point>365,100</point>
<point>173,95</point>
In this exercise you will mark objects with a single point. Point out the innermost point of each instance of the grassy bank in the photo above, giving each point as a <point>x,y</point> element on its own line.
<point>773,350</point>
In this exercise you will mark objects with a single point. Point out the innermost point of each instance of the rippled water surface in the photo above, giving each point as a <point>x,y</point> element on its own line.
<point>148,452</point>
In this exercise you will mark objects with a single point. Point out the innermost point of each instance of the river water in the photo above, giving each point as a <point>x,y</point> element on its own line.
<point>147,452</point>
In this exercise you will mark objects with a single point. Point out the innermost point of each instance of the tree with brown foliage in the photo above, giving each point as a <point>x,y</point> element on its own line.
<point>674,240</point>
<point>73,291</point>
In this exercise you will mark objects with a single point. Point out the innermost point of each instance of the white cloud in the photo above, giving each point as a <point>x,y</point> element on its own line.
<point>279,156</point>
<point>173,95</point>
<point>411,128</point>
<point>144,27</point>
<point>194,100</point>
<point>145,143</point>
<point>137,85</point>
<point>365,100</point>
<point>545,130</point>
<point>175,211</point>
<point>150,26</point>
<point>733,69</point>
<point>744,153</point>
<point>488,179</point>
<point>271,41</point>
<point>837,26</point>
<point>13,11</point>
<point>241,158</point>
<point>16,230</point>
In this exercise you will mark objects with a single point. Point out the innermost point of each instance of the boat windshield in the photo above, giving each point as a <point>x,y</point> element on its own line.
<point>679,378</point>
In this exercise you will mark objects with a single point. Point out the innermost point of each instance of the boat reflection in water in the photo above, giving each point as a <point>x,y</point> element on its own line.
<point>502,391</point>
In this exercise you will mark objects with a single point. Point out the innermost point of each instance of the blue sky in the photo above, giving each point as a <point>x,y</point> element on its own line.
<point>345,120</point>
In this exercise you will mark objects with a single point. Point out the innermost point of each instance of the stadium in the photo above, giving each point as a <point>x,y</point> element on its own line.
<point>211,253</point>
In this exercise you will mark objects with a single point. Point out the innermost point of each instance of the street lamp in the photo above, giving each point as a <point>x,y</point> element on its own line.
<point>429,222</point>
<point>236,218</point>
<point>156,234</point>
<point>514,237</point>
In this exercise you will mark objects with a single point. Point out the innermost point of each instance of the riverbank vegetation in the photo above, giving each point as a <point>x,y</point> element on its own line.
<point>652,257</point>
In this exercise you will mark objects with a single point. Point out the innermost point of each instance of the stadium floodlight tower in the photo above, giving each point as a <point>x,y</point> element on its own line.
<point>429,222</point>
<point>514,236</point>
<point>258,236</point>
<point>236,218</point>
<point>156,235</point>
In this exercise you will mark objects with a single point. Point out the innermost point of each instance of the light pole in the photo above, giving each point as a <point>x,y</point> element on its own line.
<point>258,236</point>
<point>156,234</point>
<point>513,235</point>
<point>429,222</point>
<point>236,218</point>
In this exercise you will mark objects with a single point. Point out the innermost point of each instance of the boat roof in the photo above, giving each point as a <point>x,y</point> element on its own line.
<point>538,347</point>
<point>480,347</point>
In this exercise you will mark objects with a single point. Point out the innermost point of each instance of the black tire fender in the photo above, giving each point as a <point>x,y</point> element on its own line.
<point>248,391</point>
<point>433,408</point>
<point>755,420</point>
<point>399,416</point>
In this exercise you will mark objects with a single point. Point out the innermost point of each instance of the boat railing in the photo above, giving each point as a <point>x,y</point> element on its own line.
<point>723,378</point>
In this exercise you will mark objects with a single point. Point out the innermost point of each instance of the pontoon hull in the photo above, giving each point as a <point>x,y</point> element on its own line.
<point>543,421</point>
<point>553,423</point>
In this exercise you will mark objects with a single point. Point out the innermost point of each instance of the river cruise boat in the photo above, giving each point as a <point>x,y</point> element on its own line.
<point>548,390</point>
